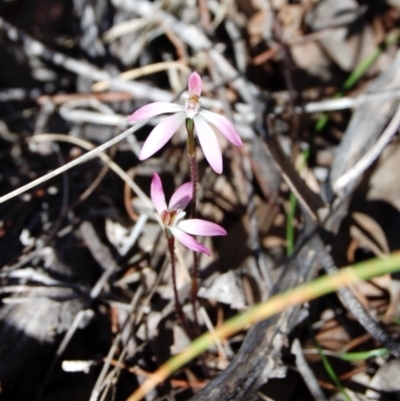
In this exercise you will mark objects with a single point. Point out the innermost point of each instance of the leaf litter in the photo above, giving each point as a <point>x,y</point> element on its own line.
<point>87,307</point>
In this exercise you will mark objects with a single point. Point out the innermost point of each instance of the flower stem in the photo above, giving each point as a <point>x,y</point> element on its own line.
<point>178,305</point>
<point>191,147</point>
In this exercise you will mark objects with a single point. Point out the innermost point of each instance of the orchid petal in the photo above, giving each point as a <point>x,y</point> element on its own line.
<point>154,109</point>
<point>157,194</point>
<point>194,84</point>
<point>201,227</point>
<point>188,241</point>
<point>181,197</point>
<point>209,143</point>
<point>224,125</point>
<point>161,134</point>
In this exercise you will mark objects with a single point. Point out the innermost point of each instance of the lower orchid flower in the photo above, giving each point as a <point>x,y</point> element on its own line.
<point>201,119</point>
<point>173,214</point>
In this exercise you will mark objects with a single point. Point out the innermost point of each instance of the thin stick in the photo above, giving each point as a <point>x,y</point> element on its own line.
<point>142,71</point>
<point>103,156</point>
<point>178,305</point>
<point>73,163</point>
<point>306,372</point>
<point>371,155</point>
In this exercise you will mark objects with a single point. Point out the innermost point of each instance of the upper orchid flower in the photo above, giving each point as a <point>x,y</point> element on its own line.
<point>160,135</point>
<point>172,216</point>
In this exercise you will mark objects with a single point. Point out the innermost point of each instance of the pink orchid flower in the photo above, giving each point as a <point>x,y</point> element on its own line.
<point>160,135</point>
<point>172,216</point>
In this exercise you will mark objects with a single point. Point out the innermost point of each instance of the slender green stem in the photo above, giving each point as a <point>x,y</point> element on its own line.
<point>331,372</point>
<point>327,365</point>
<point>358,72</point>
<point>290,240</point>
<point>363,67</point>
<point>290,224</point>
<point>191,148</point>
<point>363,355</point>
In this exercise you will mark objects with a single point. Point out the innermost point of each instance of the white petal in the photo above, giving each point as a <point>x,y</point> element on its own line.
<point>224,125</point>
<point>201,227</point>
<point>188,241</point>
<point>157,194</point>
<point>181,197</point>
<point>209,143</point>
<point>161,134</point>
<point>154,109</point>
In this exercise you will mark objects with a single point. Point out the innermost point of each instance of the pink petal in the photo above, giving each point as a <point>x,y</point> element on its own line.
<point>157,194</point>
<point>154,109</point>
<point>194,84</point>
<point>181,197</point>
<point>161,134</point>
<point>201,227</point>
<point>188,241</point>
<point>209,143</point>
<point>224,125</point>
